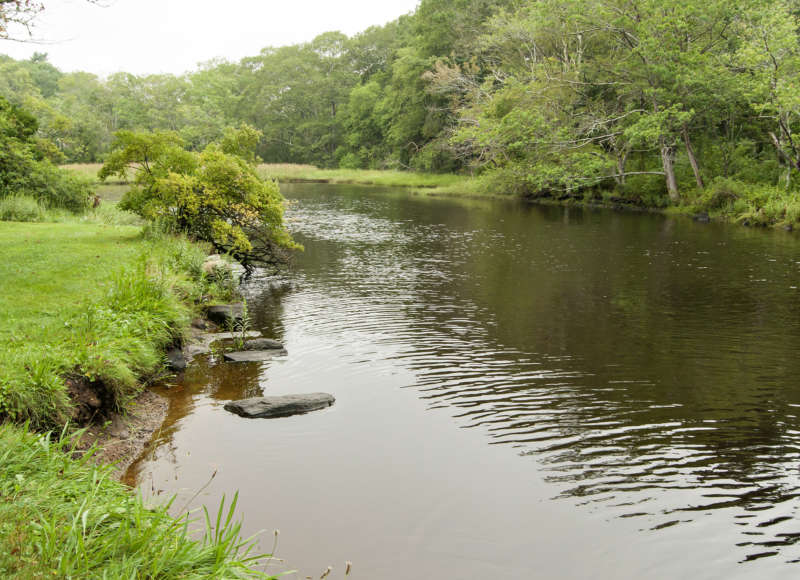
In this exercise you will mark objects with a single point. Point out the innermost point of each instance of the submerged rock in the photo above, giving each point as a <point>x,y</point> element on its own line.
<point>253,355</point>
<point>176,360</point>
<point>262,344</point>
<point>702,217</point>
<point>280,405</point>
<point>225,314</point>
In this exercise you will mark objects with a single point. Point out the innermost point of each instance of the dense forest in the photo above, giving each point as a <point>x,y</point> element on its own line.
<point>651,100</point>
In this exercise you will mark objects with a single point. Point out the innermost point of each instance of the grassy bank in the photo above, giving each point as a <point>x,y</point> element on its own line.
<point>66,518</point>
<point>292,172</point>
<point>92,305</point>
<point>87,302</point>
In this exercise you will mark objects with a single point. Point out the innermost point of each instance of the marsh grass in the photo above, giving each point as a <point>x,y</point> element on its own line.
<point>389,178</point>
<point>89,171</point>
<point>21,208</point>
<point>66,518</point>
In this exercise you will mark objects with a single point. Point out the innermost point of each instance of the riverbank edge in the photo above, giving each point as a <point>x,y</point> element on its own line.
<point>96,456</point>
<point>694,205</point>
<point>691,208</point>
<point>703,205</point>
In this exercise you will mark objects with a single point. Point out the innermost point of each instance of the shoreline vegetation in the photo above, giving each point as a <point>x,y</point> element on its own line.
<point>91,308</point>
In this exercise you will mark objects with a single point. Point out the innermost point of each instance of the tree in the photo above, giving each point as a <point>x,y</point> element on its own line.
<point>25,169</point>
<point>770,54</point>
<point>215,196</point>
<point>18,13</point>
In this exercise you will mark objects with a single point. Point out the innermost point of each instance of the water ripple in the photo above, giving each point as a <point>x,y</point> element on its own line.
<point>652,383</point>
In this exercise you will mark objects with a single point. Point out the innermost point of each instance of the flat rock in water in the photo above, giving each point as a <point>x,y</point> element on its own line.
<point>280,405</point>
<point>253,355</point>
<point>176,360</point>
<point>224,314</point>
<point>262,344</point>
<point>201,341</point>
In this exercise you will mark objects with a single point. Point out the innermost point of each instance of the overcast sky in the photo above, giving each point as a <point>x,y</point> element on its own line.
<point>153,36</point>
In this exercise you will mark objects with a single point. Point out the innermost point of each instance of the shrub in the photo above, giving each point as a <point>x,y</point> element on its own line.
<point>25,170</point>
<point>215,196</point>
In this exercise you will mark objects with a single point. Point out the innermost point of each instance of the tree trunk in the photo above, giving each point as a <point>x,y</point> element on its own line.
<point>622,157</point>
<point>782,153</point>
<point>690,152</point>
<point>667,161</point>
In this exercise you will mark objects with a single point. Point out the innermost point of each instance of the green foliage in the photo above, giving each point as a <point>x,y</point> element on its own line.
<point>67,518</point>
<point>24,170</point>
<point>216,196</point>
<point>749,203</point>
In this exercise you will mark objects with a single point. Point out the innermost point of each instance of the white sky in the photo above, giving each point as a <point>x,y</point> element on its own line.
<point>155,36</point>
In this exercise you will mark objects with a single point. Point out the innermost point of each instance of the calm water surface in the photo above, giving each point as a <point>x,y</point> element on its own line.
<point>522,392</point>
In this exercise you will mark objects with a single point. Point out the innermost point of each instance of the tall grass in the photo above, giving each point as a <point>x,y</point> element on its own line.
<point>21,208</point>
<point>66,518</point>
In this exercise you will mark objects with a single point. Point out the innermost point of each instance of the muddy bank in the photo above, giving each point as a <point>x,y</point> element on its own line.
<point>121,439</point>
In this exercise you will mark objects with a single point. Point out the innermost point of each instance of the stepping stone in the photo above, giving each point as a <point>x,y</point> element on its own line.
<point>262,344</point>
<point>253,355</point>
<point>176,360</point>
<point>280,405</point>
<point>224,314</point>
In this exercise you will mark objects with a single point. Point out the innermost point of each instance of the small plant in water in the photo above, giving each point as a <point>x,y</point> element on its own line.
<point>241,328</point>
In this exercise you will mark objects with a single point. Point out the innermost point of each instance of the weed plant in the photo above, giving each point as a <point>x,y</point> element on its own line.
<point>753,204</point>
<point>20,208</point>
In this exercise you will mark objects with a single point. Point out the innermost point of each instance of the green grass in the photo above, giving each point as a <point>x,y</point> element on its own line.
<point>87,170</point>
<point>66,518</point>
<point>422,183</point>
<point>86,300</point>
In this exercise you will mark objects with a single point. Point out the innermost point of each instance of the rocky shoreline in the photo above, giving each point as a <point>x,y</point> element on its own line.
<point>121,438</point>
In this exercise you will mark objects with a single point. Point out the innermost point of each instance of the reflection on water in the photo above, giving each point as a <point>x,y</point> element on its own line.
<point>643,370</point>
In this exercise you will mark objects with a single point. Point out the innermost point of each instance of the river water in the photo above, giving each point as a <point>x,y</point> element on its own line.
<point>522,392</point>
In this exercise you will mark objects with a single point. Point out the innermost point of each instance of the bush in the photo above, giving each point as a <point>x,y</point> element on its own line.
<point>216,196</point>
<point>756,204</point>
<point>350,161</point>
<point>721,193</point>
<point>24,170</point>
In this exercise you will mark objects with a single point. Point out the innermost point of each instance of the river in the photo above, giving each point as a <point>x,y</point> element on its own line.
<point>521,392</point>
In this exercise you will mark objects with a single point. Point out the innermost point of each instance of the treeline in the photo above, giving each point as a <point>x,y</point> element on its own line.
<point>648,99</point>
<point>334,101</point>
